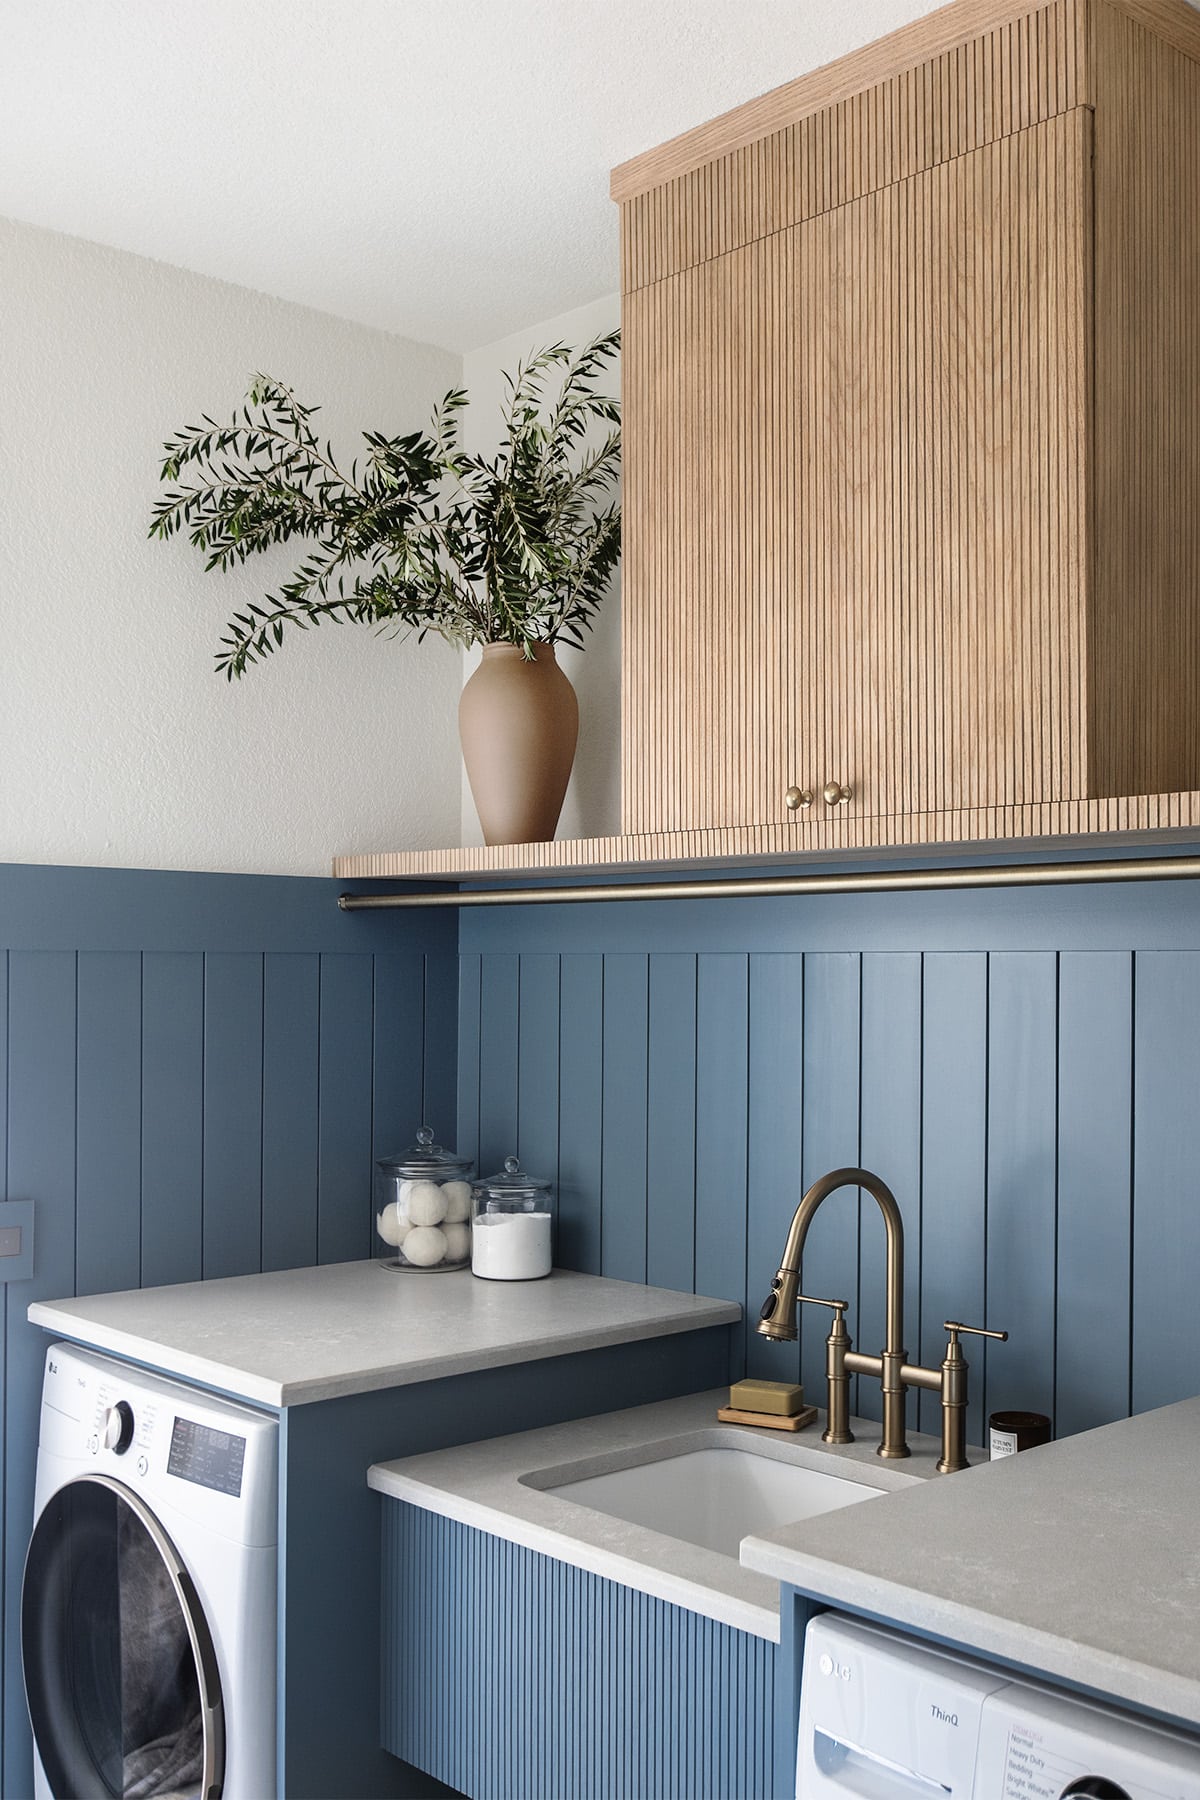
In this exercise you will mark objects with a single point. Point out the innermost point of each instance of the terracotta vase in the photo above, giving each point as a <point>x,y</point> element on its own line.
<point>519,722</point>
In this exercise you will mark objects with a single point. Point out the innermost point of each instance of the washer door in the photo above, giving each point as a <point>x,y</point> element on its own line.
<point>120,1673</point>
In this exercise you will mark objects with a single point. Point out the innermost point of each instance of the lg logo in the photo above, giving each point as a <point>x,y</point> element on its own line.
<point>828,1666</point>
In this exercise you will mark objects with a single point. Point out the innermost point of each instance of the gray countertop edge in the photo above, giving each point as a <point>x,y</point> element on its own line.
<point>1078,1561</point>
<point>485,1485</point>
<point>985,1634</point>
<point>200,1369</point>
<point>59,1318</point>
<point>661,1583</point>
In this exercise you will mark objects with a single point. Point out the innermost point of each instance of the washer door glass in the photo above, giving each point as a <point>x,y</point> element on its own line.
<point>119,1666</point>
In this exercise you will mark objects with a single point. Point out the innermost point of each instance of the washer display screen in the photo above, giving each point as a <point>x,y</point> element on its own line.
<point>212,1459</point>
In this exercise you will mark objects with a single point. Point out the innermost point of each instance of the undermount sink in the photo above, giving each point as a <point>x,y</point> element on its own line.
<point>712,1495</point>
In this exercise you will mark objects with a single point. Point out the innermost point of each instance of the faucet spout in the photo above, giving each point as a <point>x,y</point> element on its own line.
<point>778,1316</point>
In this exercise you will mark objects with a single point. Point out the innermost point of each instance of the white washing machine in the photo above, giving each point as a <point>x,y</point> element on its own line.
<point>148,1616</point>
<point>883,1716</point>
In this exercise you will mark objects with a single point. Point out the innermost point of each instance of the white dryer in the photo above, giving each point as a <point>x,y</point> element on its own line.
<point>148,1614</point>
<point>882,1715</point>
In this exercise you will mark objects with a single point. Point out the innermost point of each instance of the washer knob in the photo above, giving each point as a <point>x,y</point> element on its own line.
<point>118,1427</point>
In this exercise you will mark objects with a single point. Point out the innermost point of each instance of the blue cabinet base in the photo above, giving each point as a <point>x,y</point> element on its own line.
<point>512,1676</point>
<point>330,1656</point>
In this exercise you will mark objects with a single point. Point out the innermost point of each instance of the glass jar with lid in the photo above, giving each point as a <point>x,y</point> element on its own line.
<point>510,1239</point>
<point>423,1207</point>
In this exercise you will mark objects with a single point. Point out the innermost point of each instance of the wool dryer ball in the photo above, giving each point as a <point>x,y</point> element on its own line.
<point>458,1241</point>
<point>392,1225</point>
<point>457,1195</point>
<point>425,1246</point>
<point>426,1203</point>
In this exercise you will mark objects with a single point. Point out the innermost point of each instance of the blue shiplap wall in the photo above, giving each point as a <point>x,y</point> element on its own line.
<point>1022,1068</point>
<point>196,1072</point>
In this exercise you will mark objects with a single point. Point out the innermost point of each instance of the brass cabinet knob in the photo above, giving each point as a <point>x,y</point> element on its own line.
<point>798,797</point>
<point>836,795</point>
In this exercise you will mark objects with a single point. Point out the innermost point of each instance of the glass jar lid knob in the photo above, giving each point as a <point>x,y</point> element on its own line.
<point>511,1165</point>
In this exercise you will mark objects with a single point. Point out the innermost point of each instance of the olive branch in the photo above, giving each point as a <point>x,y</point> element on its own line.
<point>512,548</point>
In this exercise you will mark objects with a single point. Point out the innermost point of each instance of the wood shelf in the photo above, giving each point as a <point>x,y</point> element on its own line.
<point>1142,818</point>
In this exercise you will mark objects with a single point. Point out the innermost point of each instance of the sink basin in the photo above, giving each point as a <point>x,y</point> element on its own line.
<point>713,1495</point>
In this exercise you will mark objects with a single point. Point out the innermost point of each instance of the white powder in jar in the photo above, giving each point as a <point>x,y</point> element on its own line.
<point>511,1246</point>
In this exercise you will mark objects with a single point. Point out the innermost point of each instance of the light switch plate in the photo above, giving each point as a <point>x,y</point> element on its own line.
<point>16,1240</point>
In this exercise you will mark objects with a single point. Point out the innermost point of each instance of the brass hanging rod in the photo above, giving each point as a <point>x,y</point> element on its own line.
<point>879,881</point>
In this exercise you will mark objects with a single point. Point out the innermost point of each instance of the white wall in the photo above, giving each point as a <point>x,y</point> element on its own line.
<point>593,804</point>
<point>118,742</point>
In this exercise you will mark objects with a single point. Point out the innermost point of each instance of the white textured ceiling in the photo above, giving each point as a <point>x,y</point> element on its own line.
<point>435,167</point>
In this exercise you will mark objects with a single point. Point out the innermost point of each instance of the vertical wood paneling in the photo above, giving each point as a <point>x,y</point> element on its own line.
<point>671,1123</point>
<point>499,995</point>
<point>470,1039</point>
<point>775,1121</point>
<point>1095,1122</point>
<point>439,1072</point>
<point>890,1145</point>
<point>108,1183</point>
<point>954,1138</point>
<point>1166,1218</point>
<point>606,1691</point>
<point>581,1103</point>
<point>165,1108</point>
<point>537,1068</point>
<point>398,1104</point>
<point>233,1021</point>
<point>1022,1188</point>
<point>291,1019</point>
<point>722,1069</point>
<point>172,1117</point>
<point>1000,1118</point>
<point>832,998</point>
<point>41,1167</point>
<point>345,1217</point>
<point>623,1185</point>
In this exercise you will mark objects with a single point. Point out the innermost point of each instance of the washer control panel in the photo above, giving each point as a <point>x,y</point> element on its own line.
<point>206,1455</point>
<point>214,1459</point>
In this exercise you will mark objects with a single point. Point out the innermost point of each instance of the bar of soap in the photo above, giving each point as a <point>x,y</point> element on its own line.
<point>767,1397</point>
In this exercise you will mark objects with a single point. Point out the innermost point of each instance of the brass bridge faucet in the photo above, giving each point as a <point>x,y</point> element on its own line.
<point>891,1367</point>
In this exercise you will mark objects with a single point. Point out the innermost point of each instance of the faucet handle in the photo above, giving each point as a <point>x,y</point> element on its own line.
<point>840,1307</point>
<point>953,1327</point>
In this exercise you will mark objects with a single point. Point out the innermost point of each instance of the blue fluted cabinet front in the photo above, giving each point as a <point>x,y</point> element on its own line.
<point>511,1676</point>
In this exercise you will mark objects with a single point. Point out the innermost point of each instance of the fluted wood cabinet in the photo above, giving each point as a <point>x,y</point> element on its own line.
<point>911,378</point>
<point>911,463</point>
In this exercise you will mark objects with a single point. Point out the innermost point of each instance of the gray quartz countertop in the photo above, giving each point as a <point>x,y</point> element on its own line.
<point>301,1335</point>
<point>498,1486</point>
<point>1080,1560</point>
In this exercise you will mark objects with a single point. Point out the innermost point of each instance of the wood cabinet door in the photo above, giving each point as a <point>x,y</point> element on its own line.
<point>943,410</point>
<point>844,624</point>
<point>857,503</point>
<point>709,397</point>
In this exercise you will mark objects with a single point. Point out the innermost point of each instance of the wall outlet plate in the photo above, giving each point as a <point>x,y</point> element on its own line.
<point>16,1240</point>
